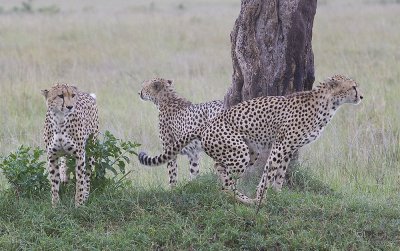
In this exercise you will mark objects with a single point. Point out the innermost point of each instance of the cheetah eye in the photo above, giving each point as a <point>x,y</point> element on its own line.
<point>73,95</point>
<point>61,96</point>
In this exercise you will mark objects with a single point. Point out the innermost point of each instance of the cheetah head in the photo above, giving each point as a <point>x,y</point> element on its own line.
<point>345,90</point>
<point>61,98</point>
<point>154,89</point>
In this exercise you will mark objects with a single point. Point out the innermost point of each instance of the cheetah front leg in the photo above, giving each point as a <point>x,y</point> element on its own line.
<point>194,165</point>
<point>172,173</point>
<point>167,140</point>
<point>281,173</point>
<point>274,170</point>
<point>81,192</point>
<point>89,170</point>
<point>269,173</point>
<point>54,177</point>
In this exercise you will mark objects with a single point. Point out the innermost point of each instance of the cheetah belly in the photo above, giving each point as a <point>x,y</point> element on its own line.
<point>311,137</point>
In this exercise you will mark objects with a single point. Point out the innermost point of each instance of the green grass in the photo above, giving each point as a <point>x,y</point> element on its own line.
<point>198,216</point>
<point>110,48</point>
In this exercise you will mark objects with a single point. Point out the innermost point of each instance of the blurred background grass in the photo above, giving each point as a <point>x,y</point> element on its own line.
<point>109,48</point>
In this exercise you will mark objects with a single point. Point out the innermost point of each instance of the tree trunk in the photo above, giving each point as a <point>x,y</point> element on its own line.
<point>271,51</point>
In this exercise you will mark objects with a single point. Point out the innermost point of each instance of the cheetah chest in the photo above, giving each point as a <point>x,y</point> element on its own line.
<point>313,135</point>
<point>62,144</point>
<point>62,141</point>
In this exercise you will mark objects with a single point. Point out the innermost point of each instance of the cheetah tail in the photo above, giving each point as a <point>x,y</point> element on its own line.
<point>169,153</point>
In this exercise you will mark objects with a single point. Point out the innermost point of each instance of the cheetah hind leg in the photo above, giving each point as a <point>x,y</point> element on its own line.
<point>229,185</point>
<point>192,151</point>
<point>254,151</point>
<point>63,170</point>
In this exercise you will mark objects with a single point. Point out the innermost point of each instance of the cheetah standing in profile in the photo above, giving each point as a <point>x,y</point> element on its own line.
<point>70,119</point>
<point>177,117</point>
<point>284,123</point>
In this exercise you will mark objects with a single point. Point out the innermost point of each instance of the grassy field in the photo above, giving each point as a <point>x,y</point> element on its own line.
<point>197,216</point>
<point>110,47</point>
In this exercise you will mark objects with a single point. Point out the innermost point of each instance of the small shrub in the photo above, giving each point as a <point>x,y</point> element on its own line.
<point>181,6</point>
<point>26,7</point>
<point>110,154</point>
<point>25,171</point>
<point>51,9</point>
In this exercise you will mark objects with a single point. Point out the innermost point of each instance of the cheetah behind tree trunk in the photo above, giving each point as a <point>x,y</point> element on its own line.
<point>285,123</point>
<point>177,117</point>
<point>70,119</point>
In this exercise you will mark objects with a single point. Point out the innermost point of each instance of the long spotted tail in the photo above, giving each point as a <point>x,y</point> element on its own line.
<point>171,152</point>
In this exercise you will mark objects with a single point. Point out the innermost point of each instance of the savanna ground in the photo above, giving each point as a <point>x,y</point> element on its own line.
<point>348,181</point>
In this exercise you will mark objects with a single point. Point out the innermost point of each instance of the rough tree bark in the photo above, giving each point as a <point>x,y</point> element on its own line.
<point>271,51</point>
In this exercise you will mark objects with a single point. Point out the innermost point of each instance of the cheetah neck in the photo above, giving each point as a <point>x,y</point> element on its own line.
<point>58,119</point>
<point>327,103</point>
<point>171,99</point>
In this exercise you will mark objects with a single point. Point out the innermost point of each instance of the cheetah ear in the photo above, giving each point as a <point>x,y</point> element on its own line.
<point>331,82</point>
<point>170,82</point>
<point>45,93</point>
<point>334,84</point>
<point>74,87</point>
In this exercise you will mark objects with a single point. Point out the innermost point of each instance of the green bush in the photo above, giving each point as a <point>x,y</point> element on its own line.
<point>25,171</point>
<point>110,154</point>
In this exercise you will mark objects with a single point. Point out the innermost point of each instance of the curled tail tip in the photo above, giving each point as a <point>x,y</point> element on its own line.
<point>142,156</point>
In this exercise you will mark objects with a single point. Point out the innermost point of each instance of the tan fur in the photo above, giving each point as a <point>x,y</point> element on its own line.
<point>283,123</point>
<point>178,116</point>
<point>70,119</point>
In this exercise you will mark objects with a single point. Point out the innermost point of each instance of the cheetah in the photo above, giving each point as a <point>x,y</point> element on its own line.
<point>177,117</point>
<point>285,123</point>
<point>71,118</point>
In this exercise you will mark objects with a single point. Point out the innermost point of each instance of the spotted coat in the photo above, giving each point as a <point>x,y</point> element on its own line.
<point>283,123</point>
<point>70,119</point>
<point>177,117</point>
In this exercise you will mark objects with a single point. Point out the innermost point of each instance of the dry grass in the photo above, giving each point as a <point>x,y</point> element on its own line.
<point>110,47</point>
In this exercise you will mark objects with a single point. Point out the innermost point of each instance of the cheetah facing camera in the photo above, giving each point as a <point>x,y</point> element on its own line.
<point>70,119</point>
<point>177,117</point>
<point>284,123</point>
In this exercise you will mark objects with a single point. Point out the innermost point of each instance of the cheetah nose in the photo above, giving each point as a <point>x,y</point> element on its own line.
<point>361,97</point>
<point>69,107</point>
